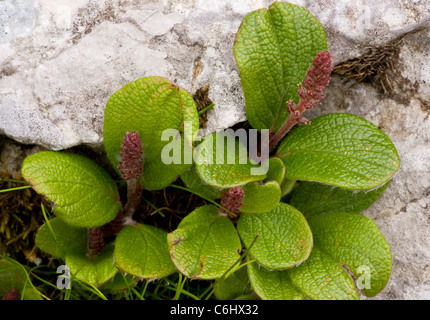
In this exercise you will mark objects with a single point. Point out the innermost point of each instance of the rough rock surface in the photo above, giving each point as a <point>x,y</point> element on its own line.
<point>60,61</point>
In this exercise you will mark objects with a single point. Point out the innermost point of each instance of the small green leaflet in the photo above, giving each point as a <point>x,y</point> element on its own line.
<point>276,171</point>
<point>284,238</point>
<point>205,244</point>
<point>142,251</point>
<point>222,162</point>
<point>83,192</point>
<point>260,198</point>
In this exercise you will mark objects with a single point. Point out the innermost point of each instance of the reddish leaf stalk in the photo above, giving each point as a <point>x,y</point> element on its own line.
<point>131,168</point>
<point>112,228</point>
<point>96,241</point>
<point>134,196</point>
<point>310,93</point>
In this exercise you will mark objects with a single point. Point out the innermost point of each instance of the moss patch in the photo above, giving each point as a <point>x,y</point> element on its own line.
<point>373,65</point>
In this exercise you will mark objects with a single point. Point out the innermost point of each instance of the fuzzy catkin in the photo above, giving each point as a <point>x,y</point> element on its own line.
<point>131,164</point>
<point>232,200</point>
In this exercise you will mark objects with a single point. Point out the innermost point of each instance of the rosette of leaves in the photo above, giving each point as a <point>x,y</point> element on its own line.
<point>86,198</point>
<point>296,214</point>
<point>299,222</point>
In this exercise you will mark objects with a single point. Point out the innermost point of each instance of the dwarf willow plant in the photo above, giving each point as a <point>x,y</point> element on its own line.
<point>284,227</point>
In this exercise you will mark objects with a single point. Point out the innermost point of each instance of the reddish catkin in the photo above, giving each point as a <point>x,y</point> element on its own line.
<point>96,242</point>
<point>12,294</point>
<point>232,200</point>
<point>310,90</point>
<point>131,164</point>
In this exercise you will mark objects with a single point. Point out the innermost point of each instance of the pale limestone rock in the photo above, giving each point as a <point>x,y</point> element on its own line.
<point>62,60</point>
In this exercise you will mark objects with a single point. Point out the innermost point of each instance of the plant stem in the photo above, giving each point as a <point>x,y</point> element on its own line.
<point>14,189</point>
<point>277,137</point>
<point>134,194</point>
<point>206,109</point>
<point>13,180</point>
<point>96,242</point>
<point>179,287</point>
<point>154,207</point>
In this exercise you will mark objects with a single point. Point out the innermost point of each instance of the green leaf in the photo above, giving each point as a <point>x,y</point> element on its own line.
<point>260,198</point>
<point>150,106</point>
<point>276,170</point>
<point>15,276</point>
<point>313,198</point>
<point>193,182</point>
<point>120,282</point>
<point>205,244</point>
<point>234,286</point>
<point>30,293</point>
<point>322,278</point>
<point>12,277</point>
<point>342,150</point>
<point>83,192</point>
<point>222,162</point>
<point>95,270</point>
<point>272,284</point>
<point>287,186</point>
<point>57,238</point>
<point>355,241</point>
<point>273,49</point>
<point>142,251</point>
<point>284,238</point>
